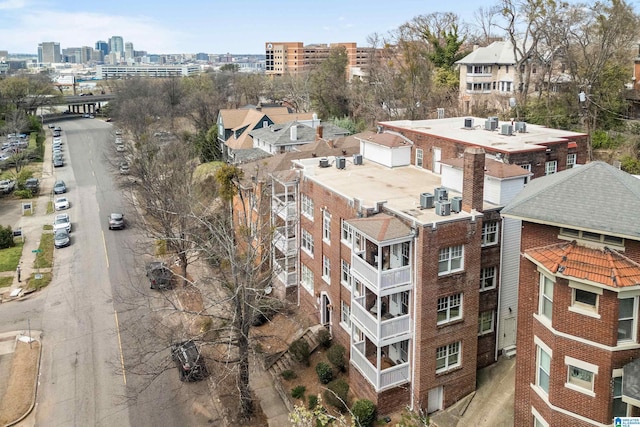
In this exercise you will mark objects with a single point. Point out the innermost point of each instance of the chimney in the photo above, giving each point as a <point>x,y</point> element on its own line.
<point>294,132</point>
<point>319,133</point>
<point>473,179</point>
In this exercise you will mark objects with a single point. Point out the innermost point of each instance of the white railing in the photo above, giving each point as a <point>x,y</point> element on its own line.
<point>288,278</point>
<point>362,364</point>
<point>380,280</point>
<point>396,326</point>
<point>390,377</point>
<point>285,245</point>
<point>394,376</point>
<point>382,330</point>
<point>285,210</point>
<point>363,318</point>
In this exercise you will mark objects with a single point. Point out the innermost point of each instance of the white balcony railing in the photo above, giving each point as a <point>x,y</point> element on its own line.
<point>380,379</point>
<point>380,280</point>
<point>288,278</point>
<point>379,331</point>
<point>286,245</point>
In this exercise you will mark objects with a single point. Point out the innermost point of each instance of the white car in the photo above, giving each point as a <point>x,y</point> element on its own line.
<point>62,221</point>
<point>61,203</point>
<point>57,139</point>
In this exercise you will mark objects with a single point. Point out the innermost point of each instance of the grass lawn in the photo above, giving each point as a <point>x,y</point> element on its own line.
<point>10,257</point>
<point>44,259</point>
<point>44,280</point>
<point>6,281</point>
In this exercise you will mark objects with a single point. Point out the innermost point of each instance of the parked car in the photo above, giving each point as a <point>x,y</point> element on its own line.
<point>116,221</point>
<point>189,361</point>
<point>61,238</point>
<point>59,187</point>
<point>58,162</point>
<point>57,129</point>
<point>124,168</point>
<point>120,148</point>
<point>32,184</point>
<point>51,125</point>
<point>160,275</point>
<point>57,140</point>
<point>56,134</point>
<point>7,186</point>
<point>61,203</point>
<point>62,221</point>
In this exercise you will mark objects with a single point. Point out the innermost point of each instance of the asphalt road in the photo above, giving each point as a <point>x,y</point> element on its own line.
<point>105,358</point>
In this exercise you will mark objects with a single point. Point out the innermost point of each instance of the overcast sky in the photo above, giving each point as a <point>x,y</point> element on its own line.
<point>214,26</point>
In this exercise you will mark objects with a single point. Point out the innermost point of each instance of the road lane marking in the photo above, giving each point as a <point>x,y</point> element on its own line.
<point>104,243</point>
<point>124,373</point>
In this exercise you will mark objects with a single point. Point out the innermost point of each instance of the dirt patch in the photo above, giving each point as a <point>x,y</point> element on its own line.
<point>22,382</point>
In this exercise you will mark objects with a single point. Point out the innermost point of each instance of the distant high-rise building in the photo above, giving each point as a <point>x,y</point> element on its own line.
<point>116,44</point>
<point>103,47</point>
<point>49,52</point>
<point>128,51</point>
<point>202,56</point>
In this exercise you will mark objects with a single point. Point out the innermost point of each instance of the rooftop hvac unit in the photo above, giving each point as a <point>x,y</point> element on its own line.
<point>521,127</point>
<point>489,124</point>
<point>426,200</point>
<point>468,123</point>
<point>324,162</point>
<point>443,207</point>
<point>340,162</point>
<point>440,193</point>
<point>506,129</point>
<point>456,204</point>
<point>357,159</point>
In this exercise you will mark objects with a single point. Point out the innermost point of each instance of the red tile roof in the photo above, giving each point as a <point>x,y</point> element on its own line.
<point>605,266</point>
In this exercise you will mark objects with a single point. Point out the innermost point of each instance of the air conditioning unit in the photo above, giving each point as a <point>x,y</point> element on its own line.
<point>506,129</point>
<point>357,159</point>
<point>440,193</point>
<point>324,162</point>
<point>490,124</point>
<point>521,127</point>
<point>341,163</point>
<point>456,204</point>
<point>426,200</point>
<point>443,207</point>
<point>468,123</point>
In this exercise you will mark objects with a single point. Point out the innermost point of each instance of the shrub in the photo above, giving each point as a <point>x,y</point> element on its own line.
<point>335,354</point>
<point>6,237</point>
<point>300,351</point>
<point>337,394</point>
<point>288,374</point>
<point>324,338</point>
<point>313,402</point>
<point>298,392</point>
<point>325,374</point>
<point>23,194</point>
<point>364,412</point>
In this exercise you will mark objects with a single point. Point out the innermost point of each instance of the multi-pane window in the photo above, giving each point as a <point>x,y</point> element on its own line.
<point>619,407</point>
<point>450,260</point>
<point>543,362</point>
<point>326,269</point>
<point>447,357</point>
<point>489,233</point>
<point>571,160</point>
<point>546,297</point>
<point>419,158</point>
<point>306,278</point>
<point>347,233</point>
<point>345,315</point>
<point>345,274</point>
<point>307,241</point>
<point>307,205</point>
<point>579,377</point>
<point>485,322</point>
<point>551,167</point>
<point>487,278</point>
<point>449,308</point>
<point>626,319</point>
<point>326,226</point>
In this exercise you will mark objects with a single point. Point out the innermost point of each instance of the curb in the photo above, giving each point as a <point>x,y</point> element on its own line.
<point>35,387</point>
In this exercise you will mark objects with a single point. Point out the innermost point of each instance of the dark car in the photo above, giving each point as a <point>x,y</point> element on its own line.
<point>32,184</point>
<point>160,276</point>
<point>189,361</point>
<point>116,221</point>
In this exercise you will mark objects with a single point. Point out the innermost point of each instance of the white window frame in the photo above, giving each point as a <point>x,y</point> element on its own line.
<point>306,242</point>
<point>546,297</point>
<point>538,421</point>
<point>542,348</point>
<point>488,275</point>
<point>445,305</point>
<point>345,274</point>
<point>617,391</point>
<point>550,167</point>
<point>306,205</point>
<point>345,316</point>
<point>633,318</point>
<point>486,322</point>
<point>578,291</point>
<point>577,368</point>
<point>326,269</point>
<point>326,226</point>
<point>489,233</point>
<point>306,278</point>
<point>527,167</point>
<point>451,256</point>
<point>419,158</point>
<point>346,234</point>
<point>571,160</point>
<point>446,353</point>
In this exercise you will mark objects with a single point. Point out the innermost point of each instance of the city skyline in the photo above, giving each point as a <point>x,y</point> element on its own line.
<point>195,26</point>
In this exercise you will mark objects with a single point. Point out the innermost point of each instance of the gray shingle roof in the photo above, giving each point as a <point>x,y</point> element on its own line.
<point>595,197</point>
<point>500,52</point>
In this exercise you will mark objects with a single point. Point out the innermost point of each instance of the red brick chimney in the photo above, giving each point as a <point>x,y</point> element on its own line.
<point>473,179</point>
<point>319,133</point>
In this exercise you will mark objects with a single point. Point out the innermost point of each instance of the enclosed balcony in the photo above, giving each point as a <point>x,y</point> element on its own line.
<point>285,271</point>
<point>284,206</point>
<point>384,367</point>
<point>284,239</point>
<point>382,318</point>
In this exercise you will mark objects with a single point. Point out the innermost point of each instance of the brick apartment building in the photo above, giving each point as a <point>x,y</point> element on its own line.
<point>401,264</point>
<point>578,358</point>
